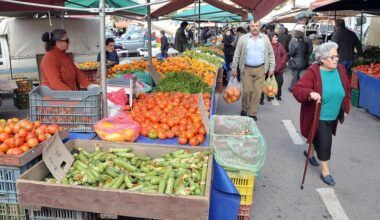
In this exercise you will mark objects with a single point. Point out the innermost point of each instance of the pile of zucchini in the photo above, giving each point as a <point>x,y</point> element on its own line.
<point>179,173</point>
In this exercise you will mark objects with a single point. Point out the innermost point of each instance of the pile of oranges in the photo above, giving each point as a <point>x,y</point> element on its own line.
<point>170,115</point>
<point>197,67</point>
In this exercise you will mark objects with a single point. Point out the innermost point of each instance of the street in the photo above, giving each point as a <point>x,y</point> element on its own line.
<point>277,195</point>
<point>354,165</point>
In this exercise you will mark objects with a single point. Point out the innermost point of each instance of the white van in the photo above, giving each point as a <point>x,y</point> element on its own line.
<point>20,43</point>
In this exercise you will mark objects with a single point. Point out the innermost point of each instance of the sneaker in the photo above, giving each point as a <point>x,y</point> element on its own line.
<point>253,117</point>
<point>313,161</point>
<point>243,113</point>
<point>329,180</point>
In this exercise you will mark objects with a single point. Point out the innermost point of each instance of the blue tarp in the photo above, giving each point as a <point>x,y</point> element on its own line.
<point>369,97</point>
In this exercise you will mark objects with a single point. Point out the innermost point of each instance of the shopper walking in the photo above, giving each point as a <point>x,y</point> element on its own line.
<point>324,82</point>
<point>280,58</point>
<point>298,52</point>
<point>254,56</point>
<point>347,42</point>
<point>228,50</point>
<point>284,38</point>
<point>164,45</point>
<point>180,42</point>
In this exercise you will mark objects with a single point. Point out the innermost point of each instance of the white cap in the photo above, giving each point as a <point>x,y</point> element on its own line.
<point>300,28</point>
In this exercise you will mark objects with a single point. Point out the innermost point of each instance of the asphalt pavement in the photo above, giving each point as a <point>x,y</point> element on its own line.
<point>354,164</point>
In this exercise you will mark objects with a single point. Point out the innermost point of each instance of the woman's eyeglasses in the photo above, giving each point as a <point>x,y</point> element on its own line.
<point>67,40</point>
<point>333,57</point>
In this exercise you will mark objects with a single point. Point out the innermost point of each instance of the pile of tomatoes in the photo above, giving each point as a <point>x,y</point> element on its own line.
<point>372,69</point>
<point>170,115</point>
<point>18,136</point>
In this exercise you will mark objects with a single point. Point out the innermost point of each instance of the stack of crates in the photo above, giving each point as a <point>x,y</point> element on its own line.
<point>219,81</point>
<point>355,97</point>
<point>21,94</point>
<point>244,183</point>
<point>9,207</point>
<point>354,81</point>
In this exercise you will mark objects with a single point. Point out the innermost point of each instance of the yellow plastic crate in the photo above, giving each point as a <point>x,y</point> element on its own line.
<point>245,184</point>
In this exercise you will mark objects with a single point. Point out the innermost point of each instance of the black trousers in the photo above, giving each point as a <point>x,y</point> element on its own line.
<point>323,139</point>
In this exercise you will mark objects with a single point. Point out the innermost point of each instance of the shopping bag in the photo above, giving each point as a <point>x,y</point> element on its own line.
<point>118,128</point>
<point>270,87</point>
<point>233,91</point>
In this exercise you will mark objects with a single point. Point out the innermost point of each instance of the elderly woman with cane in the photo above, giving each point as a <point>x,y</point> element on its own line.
<point>324,82</point>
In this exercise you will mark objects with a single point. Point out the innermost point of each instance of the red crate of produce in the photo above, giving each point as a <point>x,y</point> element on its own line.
<point>91,75</point>
<point>354,80</point>
<point>244,212</point>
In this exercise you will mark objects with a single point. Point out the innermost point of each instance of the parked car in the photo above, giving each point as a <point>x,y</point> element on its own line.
<point>132,40</point>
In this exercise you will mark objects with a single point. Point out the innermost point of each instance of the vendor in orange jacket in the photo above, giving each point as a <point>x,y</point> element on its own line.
<point>58,69</point>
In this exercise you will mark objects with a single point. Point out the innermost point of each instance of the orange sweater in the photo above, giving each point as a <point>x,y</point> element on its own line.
<point>60,73</point>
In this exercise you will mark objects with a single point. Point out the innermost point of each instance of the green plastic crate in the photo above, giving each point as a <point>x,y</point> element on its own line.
<point>144,77</point>
<point>355,97</point>
<point>12,212</point>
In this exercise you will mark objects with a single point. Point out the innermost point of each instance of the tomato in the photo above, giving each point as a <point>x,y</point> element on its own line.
<point>144,132</point>
<point>41,137</point>
<point>40,130</point>
<point>152,134</point>
<point>202,130</point>
<point>52,129</point>
<point>182,140</point>
<point>9,151</point>
<point>32,142</point>
<point>3,147</point>
<point>4,136</point>
<point>170,134</point>
<point>47,135</point>
<point>17,151</point>
<point>162,135</point>
<point>189,134</point>
<point>30,135</point>
<point>16,128</point>
<point>8,130</point>
<point>200,138</point>
<point>19,141</point>
<point>10,142</point>
<point>24,148</point>
<point>28,126</point>
<point>37,124</point>
<point>23,132</point>
<point>194,141</point>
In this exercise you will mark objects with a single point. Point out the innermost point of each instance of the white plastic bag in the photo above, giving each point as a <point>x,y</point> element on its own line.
<point>232,92</point>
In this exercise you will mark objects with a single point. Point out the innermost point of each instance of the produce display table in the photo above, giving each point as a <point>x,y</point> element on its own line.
<point>225,199</point>
<point>369,93</point>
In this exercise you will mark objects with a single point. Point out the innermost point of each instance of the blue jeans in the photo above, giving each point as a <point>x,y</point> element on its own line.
<point>348,65</point>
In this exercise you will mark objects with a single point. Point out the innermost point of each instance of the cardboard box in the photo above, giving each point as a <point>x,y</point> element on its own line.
<point>34,193</point>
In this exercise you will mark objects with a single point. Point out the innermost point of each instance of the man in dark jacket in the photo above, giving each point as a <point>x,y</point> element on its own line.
<point>164,45</point>
<point>180,37</point>
<point>284,38</point>
<point>347,42</point>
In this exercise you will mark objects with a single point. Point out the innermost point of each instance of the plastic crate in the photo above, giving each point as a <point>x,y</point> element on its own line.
<point>61,214</point>
<point>91,75</point>
<point>244,183</point>
<point>144,77</point>
<point>355,97</point>
<point>12,212</point>
<point>244,212</point>
<point>77,111</point>
<point>8,177</point>
<point>354,81</point>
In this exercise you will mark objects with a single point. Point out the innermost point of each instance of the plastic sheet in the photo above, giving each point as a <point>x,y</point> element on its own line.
<point>369,93</point>
<point>238,143</point>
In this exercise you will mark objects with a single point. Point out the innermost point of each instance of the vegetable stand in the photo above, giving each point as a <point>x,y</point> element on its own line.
<point>369,96</point>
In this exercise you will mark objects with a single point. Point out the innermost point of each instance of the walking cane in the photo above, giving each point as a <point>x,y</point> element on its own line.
<point>310,143</point>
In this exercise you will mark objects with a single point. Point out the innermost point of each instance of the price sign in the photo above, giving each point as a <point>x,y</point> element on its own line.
<point>204,113</point>
<point>57,158</point>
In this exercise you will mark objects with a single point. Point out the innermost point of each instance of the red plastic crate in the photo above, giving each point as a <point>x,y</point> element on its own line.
<point>244,212</point>
<point>91,75</point>
<point>354,81</point>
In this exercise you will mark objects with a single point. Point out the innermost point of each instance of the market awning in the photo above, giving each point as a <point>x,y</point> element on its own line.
<point>350,6</point>
<point>208,13</point>
<point>178,4</point>
<point>12,8</point>
<point>259,8</point>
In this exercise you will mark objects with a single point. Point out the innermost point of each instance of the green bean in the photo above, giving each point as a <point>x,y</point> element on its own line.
<point>123,150</point>
<point>119,180</point>
<point>128,182</point>
<point>155,180</point>
<point>125,154</point>
<point>110,171</point>
<point>134,160</point>
<point>169,187</point>
<point>123,186</point>
<point>138,174</point>
<point>83,158</point>
<point>179,165</point>
<point>99,155</point>
<point>144,158</point>
<point>162,186</point>
<point>167,172</point>
<point>136,188</point>
<point>125,165</point>
<point>203,179</point>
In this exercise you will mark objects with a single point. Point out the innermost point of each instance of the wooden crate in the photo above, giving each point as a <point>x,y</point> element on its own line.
<point>34,193</point>
<point>19,161</point>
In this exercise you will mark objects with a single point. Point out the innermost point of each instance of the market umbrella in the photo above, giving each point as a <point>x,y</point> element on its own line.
<point>365,6</point>
<point>108,3</point>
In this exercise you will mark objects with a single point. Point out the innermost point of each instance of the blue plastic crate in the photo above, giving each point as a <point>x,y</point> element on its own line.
<point>61,214</point>
<point>8,177</point>
<point>12,212</point>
